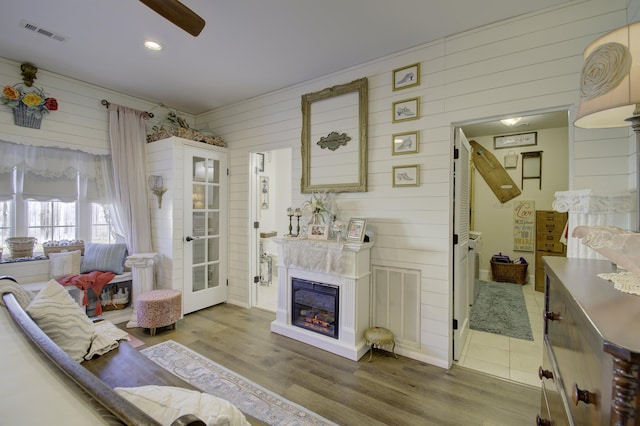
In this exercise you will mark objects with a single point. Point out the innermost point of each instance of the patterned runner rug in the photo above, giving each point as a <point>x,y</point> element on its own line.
<point>214,379</point>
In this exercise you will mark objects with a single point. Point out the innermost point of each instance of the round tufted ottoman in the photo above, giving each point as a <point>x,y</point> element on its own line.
<point>380,336</point>
<point>158,308</point>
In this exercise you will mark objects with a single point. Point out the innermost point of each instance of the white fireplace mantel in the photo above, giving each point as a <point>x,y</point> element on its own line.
<point>345,265</point>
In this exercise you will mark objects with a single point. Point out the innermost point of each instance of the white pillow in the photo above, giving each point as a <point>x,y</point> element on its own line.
<point>58,315</point>
<point>167,403</point>
<point>65,263</point>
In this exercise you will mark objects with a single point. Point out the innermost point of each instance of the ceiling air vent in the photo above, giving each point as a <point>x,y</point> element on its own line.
<point>45,32</point>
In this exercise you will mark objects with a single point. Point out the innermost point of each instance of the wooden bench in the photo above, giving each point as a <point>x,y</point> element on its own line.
<point>121,367</point>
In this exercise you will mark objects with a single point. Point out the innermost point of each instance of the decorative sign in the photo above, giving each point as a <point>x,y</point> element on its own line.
<point>333,141</point>
<point>510,141</point>
<point>524,224</point>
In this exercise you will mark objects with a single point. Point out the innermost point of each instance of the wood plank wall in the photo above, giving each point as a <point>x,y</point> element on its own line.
<point>531,63</point>
<point>526,64</point>
<point>81,121</point>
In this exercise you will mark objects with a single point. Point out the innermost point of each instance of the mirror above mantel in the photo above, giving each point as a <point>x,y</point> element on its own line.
<point>334,139</point>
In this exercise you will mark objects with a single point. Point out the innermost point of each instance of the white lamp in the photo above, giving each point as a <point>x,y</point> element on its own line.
<point>610,87</point>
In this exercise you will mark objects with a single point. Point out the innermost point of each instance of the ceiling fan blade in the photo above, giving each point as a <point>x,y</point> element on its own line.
<point>177,13</point>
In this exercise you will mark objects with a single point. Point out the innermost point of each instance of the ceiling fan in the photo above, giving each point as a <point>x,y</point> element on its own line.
<point>179,14</point>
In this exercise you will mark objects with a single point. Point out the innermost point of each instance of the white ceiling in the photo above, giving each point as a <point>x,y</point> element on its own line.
<point>247,48</point>
<point>528,123</point>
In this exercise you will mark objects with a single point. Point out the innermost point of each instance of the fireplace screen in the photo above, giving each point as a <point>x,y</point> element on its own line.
<point>315,306</point>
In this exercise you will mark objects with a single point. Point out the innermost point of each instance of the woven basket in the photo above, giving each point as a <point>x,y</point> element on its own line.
<point>509,272</point>
<point>20,246</point>
<point>62,246</point>
<point>22,118</point>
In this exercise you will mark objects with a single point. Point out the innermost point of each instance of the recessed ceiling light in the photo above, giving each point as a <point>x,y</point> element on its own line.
<point>152,45</point>
<point>511,121</point>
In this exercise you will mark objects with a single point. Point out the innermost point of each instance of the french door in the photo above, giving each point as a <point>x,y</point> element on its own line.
<point>205,224</point>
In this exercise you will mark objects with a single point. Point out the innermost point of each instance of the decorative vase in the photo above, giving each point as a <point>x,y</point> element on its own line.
<point>316,219</point>
<point>22,118</point>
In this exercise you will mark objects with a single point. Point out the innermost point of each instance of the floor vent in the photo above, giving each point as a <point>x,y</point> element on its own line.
<point>45,32</point>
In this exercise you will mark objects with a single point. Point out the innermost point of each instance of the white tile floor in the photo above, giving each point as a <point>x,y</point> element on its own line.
<point>506,357</point>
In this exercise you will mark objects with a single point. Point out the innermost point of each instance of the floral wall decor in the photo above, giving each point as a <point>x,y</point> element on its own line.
<point>29,102</point>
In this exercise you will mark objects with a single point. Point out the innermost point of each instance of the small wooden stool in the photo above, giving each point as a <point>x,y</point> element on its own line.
<point>158,308</point>
<point>380,336</point>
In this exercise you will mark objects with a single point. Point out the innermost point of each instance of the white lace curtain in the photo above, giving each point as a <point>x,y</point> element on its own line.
<point>47,162</point>
<point>49,171</point>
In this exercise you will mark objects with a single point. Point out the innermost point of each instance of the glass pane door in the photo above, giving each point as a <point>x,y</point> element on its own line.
<point>205,239</point>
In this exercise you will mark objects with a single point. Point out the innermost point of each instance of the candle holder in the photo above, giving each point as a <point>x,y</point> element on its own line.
<point>290,214</point>
<point>298,213</point>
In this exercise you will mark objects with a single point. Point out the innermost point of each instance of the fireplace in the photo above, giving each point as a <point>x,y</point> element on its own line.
<point>324,294</point>
<point>315,306</point>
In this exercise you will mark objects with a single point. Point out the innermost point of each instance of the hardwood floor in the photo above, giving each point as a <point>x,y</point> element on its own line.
<point>387,391</point>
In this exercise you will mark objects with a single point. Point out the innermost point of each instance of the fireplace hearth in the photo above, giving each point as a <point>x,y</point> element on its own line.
<point>315,306</point>
<point>324,294</point>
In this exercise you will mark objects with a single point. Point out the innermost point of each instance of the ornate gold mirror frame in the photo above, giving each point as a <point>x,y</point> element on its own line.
<point>334,139</point>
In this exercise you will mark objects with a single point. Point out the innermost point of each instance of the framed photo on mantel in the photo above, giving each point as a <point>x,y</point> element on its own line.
<point>356,229</point>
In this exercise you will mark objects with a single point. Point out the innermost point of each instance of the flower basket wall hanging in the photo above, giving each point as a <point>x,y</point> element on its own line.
<point>29,103</point>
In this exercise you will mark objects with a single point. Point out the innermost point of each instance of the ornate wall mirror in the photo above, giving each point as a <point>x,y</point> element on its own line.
<point>334,139</point>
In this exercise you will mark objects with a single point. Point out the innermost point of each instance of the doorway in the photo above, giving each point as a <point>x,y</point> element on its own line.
<point>505,357</point>
<point>270,196</point>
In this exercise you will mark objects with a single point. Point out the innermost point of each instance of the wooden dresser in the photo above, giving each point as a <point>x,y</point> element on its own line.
<point>549,227</point>
<point>591,349</point>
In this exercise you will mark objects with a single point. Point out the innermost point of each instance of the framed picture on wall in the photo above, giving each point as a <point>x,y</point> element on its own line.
<point>405,143</point>
<point>509,141</point>
<point>405,77</point>
<point>408,109</point>
<point>406,175</point>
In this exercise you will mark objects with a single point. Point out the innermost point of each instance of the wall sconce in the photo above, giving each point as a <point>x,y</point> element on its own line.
<point>156,186</point>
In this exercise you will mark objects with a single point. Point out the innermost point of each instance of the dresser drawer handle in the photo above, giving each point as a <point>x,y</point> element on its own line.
<point>546,374</point>
<point>542,422</point>
<point>583,395</point>
<point>552,316</point>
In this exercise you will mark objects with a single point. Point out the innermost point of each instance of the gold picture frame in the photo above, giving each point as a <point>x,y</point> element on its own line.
<point>405,143</point>
<point>339,115</point>
<point>406,109</point>
<point>407,175</point>
<point>406,77</point>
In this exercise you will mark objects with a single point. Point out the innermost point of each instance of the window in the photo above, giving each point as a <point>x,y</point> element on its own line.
<point>52,194</point>
<point>5,220</point>
<point>101,228</point>
<point>39,214</point>
<point>51,220</point>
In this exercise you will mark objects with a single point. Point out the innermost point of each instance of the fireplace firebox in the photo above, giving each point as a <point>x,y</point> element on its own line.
<point>315,306</point>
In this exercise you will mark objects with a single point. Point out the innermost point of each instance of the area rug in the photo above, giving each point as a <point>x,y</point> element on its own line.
<point>500,309</point>
<point>212,378</point>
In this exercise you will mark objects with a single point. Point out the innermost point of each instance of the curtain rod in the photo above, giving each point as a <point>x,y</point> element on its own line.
<point>106,103</point>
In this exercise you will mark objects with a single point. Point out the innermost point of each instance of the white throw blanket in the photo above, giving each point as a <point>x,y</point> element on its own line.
<point>166,403</point>
<point>106,337</point>
<point>23,296</point>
